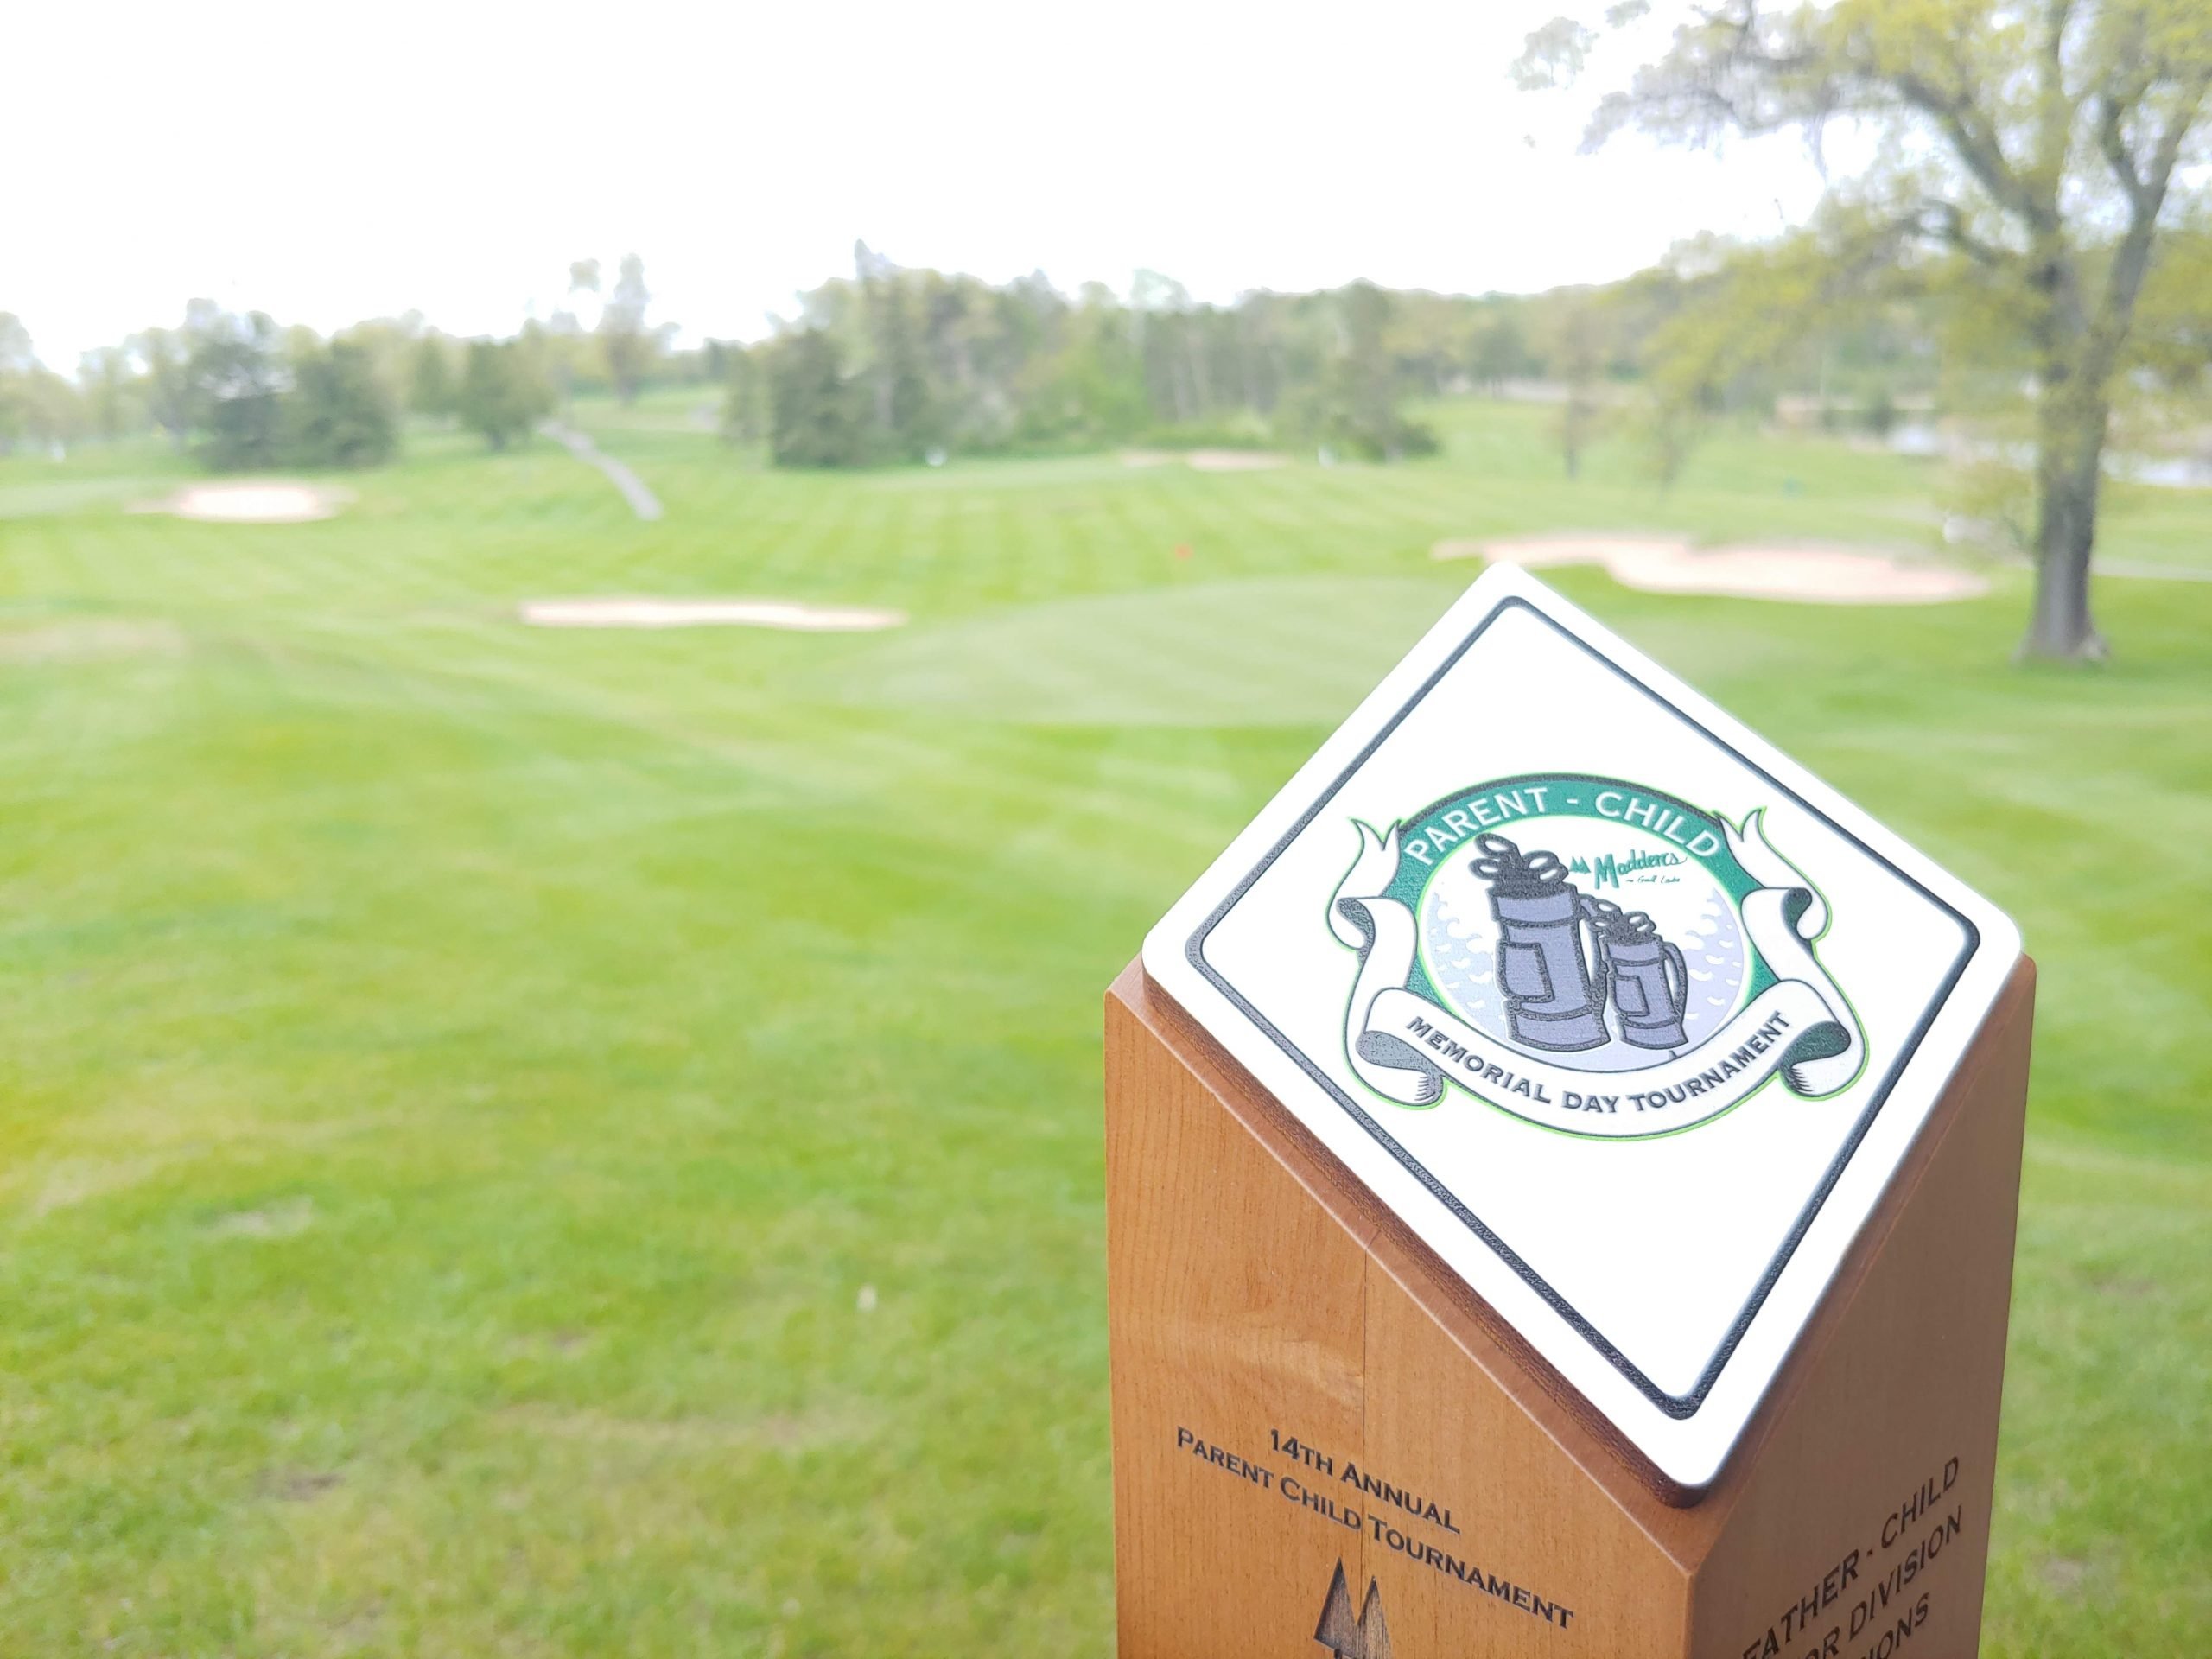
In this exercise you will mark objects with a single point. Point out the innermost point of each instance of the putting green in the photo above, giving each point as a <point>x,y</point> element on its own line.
<point>1270,651</point>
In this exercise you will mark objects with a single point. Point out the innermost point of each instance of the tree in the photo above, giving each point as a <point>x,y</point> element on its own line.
<point>1578,358</point>
<point>389,344</point>
<point>54,410</point>
<point>235,380</point>
<point>583,276</point>
<point>338,413</point>
<point>905,421</point>
<point>163,354</point>
<point>16,364</point>
<point>105,376</point>
<point>501,394</point>
<point>1161,312</point>
<point>430,388</point>
<point>1095,387</point>
<point>35,403</point>
<point>817,415</point>
<point>742,375</point>
<point>2030,170</point>
<point>16,354</point>
<point>629,347</point>
<point>1359,389</point>
<point>1499,351</point>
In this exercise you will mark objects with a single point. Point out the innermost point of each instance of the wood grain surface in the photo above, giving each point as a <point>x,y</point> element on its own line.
<point>1300,1386</point>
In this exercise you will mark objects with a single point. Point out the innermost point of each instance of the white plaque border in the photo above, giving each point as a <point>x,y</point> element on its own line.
<point>1690,1435</point>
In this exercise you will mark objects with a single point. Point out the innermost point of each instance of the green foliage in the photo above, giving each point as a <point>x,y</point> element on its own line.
<point>17,364</point>
<point>949,364</point>
<point>112,397</point>
<point>1993,503</point>
<point>628,344</point>
<point>338,413</point>
<point>165,354</point>
<point>389,345</point>
<point>238,391</point>
<point>2030,163</point>
<point>36,405</point>
<point>235,381</point>
<point>818,414</point>
<point>249,396</point>
<point>908,419</point>
<point>743,376</point>
<point>503,393</point>
<point>1579,333</point>
<point>16,354</point>
<point>51,410</point>
<point>1500,351</point>
<point>430,389</point>
<point>1090,383</point>
<point>1358,411</point>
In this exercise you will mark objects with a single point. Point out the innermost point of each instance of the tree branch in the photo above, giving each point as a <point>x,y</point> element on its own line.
<point>2132,258</point>
<point>1976,146</point>
<point>2170,141</point>
<point>2113,143</point>
<point>1950,226</point>
<point>2054,113</point>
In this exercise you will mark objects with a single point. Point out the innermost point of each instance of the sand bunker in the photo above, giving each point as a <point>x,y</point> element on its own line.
<point>1208,460</point>
<point>1806,574</point>
<point>1235,460</point>
<point>706,613</point>
<point>263,501</point>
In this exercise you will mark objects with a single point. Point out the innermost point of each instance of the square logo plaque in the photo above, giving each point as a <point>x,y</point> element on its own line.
<point>1628,1017</point>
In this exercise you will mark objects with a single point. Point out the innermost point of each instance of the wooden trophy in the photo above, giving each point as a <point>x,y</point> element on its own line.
<point>1561,1170</point>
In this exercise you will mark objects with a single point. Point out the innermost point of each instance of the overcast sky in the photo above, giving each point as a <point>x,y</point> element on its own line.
<point>326,163</point>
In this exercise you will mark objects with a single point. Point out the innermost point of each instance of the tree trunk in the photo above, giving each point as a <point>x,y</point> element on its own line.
<point>2069,453</point>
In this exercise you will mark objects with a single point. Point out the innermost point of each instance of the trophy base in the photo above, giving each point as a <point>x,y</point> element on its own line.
<point>1321,1435</point>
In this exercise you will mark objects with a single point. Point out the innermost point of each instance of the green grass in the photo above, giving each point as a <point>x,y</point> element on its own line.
<point>459,1079</point>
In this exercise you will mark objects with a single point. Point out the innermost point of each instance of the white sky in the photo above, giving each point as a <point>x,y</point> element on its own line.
<point>326,163</point>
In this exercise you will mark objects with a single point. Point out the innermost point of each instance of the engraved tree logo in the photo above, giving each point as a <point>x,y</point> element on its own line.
<point>1365,1637</point>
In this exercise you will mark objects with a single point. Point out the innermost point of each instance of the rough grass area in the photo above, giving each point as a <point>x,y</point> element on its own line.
<point>543,1142</point>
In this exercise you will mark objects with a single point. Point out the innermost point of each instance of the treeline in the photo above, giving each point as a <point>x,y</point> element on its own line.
<point>235,389</point>
<point>893,363</point>
<point>241,393</point>
<point>898,365</point>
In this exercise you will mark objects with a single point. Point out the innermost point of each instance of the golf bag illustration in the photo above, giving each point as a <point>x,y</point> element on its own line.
<point>1556,987</point>
<point>1551,996</point>
<point>1645,976</point>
